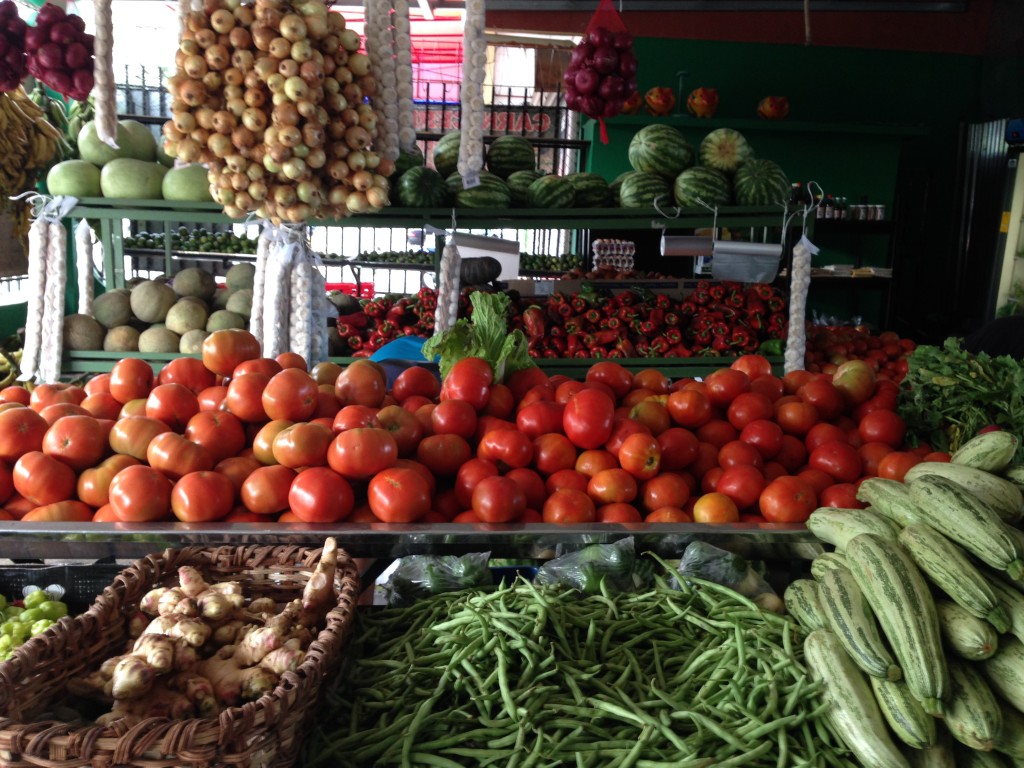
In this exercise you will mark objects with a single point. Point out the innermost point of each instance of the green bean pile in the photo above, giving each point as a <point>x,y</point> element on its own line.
<point>523,676</point>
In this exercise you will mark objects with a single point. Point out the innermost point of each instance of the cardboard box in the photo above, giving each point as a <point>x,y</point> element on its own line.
<point>676,289</point>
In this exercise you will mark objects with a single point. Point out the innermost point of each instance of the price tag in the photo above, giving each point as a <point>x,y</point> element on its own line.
<point>471,179</point>
<point>544,287</point>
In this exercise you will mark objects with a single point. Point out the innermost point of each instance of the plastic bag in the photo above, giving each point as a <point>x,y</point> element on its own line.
<point>419,576</point>
<point>601,74</point>
<point>710,563</point>
<point>585,569</point>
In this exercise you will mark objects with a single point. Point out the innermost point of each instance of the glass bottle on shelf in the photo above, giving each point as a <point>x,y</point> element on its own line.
<point>840,212</point>
<point>819,212</point>
<point>796,195</point>
<point>829,206</point>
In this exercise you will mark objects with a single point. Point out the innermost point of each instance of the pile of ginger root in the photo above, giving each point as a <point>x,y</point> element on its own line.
<point>196,648</point>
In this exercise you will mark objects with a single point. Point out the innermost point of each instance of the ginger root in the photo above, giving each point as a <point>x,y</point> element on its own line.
<point>318,596</point>
<point>232,683</point>
<point>192,630</point>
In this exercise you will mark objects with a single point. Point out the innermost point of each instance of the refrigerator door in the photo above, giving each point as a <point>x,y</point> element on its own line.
<point>1010,244</point>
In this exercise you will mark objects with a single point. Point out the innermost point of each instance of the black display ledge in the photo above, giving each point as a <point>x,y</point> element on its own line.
<point>95,541</point>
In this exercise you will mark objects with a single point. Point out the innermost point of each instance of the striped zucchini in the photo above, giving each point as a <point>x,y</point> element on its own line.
<point>972,758</point>
<point>804,605</point>
<point>990,451</point>
<point>1004,671</point>
<point>973,715</point>
<point>1003,496</point>
<point>967,636</point>
<point>836,526</point>
<point>951,570</point>
<point>939,756</point>
<point>852,621</point>
<point>1010,740</point>
<point>1012,601</point>
<point>905,715</point>
<point>1015,474</point>
<point>899,595</point>
<point>960,515</point>
<point>853,710</point>
<point>890,498</point>
<point>826,562</point>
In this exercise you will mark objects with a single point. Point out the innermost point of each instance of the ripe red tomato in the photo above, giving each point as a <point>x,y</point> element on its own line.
<point>354,416</point>
<point>707,459</point>
<point>652,414</point>
<point>175,456</point>
<point>244,397</point>
<point>102,405</point>
<point>525,379</point>
<point>725,385</point>
<point>678,448</point>
<point>173,404</point>
<point>236,469</point>
<point>669,515</point>
<point>301,445</point>
<point>755,366</point>
<point>616,377</point>
<point>454,417</point>
<point>292,360</point>
<point>362,382</point>
<point>883,426</point>
<point>612,485</point>
<point>715,508</point>
<point>265,489</point>
<point>224,350</point>
<point>566,478</point>
<point>189,372</point>
<point>765,435</point>
<point>59,410</point>
<point>403,426</point>
<point>507,448</point>
<point>539,418</point>
<point>895,465</point>
<point>326,372</point>
<point>652,379</point>
<point>18,394</point>
<point>640,456</point>
<point>498,499</point>
<point>398,495</point>
<point>552,452</point>
<point>718,432</point>
<point>78,441</point>
<point>748,407</point>
<point>665,490</point>
<point>320,495</point>
<point>443,454</point>
<point>593,461</point>
<point>219,432</point>
<point>742,483</point>
<point>265,365</point>
<point>467,477</point>
<point>588,418</point>
<point>532,485</point>
<point>622,428</point>
<point>618,513</point>
<point>737,452</point>
<point>826,399</point>
<point>824,432</point>
<point>787,499</point>
<point>93,486</point>
<point>500,402</point>
<point>43,479</point>
<point>569,506</point>
<point>769,386</point>
<point>842,495</point>
<point>201,497</point>
<point>140,494</point>
<point>837,459</point>
<point>132,435</point>
<point>689,408</point>
<point>792,453</point>
<point>291,394</point>
<point>566,390</point>
<point>469,380</point>
<point>131,378</point>
<point>872,454</point>
<point>212,398</point>
<point>361,453</point>
<point>795,418</point>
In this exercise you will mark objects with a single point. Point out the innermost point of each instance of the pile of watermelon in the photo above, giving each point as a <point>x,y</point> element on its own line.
<point>721,171</point>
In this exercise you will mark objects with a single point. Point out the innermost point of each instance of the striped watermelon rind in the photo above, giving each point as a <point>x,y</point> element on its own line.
<point>725,149</point>
<point>661,149</point>
<point>446,153</point>
<point>492,192</point>
<point>422,187</point>
<point>761,182</point>
<point>518,183</point>
<point>550,192</point>
<point>615,185</point>
<point>708,185</point>
<point>592,190</point>
<point>508,154</point>
<point>408,158</point>
<point>643,188</point>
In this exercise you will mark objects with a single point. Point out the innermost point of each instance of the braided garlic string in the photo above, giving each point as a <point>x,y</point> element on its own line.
<point>300,321</point>
<point>447,311</point>
<point>38,248</point>
<point>388,91</point>
<point>53,310</point>
<point>84,266</point>
<point>267,234</point>
<point>403,76</point>
<point>799,283</point>
<point>471,95</point>
<point>318,298</point>
<point>103,70</point>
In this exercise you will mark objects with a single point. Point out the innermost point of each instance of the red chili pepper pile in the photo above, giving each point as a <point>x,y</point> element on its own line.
<point>716,319</point>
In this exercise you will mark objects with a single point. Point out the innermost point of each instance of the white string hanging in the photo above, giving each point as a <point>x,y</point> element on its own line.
<point>103,71</point>
<point>268,232</point>
<point>387,96</point>
<point>318,299</point>
<point>300,319</point>
<point>84,266</point>
<point>799,284</point>
<point>285,251</point>
<point>38,248</point>
<point>403,76</point>
<point>447,311</point>
<point>471,92</point>
<point>53,312</point>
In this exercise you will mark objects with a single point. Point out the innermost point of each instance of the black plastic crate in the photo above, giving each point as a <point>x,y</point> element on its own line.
<point>81,582</point>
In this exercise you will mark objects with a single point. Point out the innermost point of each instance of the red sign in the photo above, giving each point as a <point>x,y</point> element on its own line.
<point>536,123</point>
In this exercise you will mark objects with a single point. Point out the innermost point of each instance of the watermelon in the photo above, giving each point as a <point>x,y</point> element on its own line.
<point>660,149</point>
<point>761,182</point>
<point>518,183</point>
<point>492,192</point>
<point>642,189</point>
<point>592,190</point>
<point>725,149</point>
<point>616,185</point>
<point>422,187</point>
<point>446,154</point>
<point>508,154</point>
<point>408,158</point>
<point>550,192</point>
<point>709,185</point>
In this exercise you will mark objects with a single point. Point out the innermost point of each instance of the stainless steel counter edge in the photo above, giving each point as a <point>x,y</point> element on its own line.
<point>534,541</point>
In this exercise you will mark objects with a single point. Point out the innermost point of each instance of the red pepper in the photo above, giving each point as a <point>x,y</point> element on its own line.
<point>551,354</point>
<point>680,350</point>
<point>659,346</point>
<point>702,323</point>
<point>717,292</point>
<point>671,319</point>
<point>613,323</point>
<point>587,339</point>
<point>581,353</point>
<point>689,308</point>
<point>573,343</point>
<point>777,320</point>
<point>354,342</point>
<point>739,337</point>
<point>755,303</point>
<point>776,332</point>
<point>625,346</point>
<point>358,320</point>
<point>572,325</point>
<point>776,304</point>
<point>657,317</point>
<point>556,332</point>
<point>674,335</point>
<point>764,290</point>
<point>559,345</point>
<point>752,344</point>
<point>593,316</point>
<point>662,301</point>
<point>626,298</point>
<point>734,300</point>
<point>616,353</point>
<point>604,338</point>
<point>627,313</point>
<point>756,321</point>
<point>429,303</point>
<point>702,337</point>
<point>720,343</point>
<point>578,303</point>
<point>700,297</point>
<point>533,322</point>
<point>720,329</point>
<point>597,353</point>
<point>410,330</point>
<point>344,329</point>
<point>565,310</point>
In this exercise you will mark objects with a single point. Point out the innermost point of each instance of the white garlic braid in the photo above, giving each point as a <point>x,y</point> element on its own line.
<point>259,280</point>
<point>84,266</point>
<point>300,320</point>
<point>53,310</point>
<point>318,298</point>
<point>276,296</point>
<point>403,75</point>
<point>474,64</point>
<point>447,311</point>
<point>103,71</point>
<point>388,91</point>
<point>799,283</point>
<point>38,249</point>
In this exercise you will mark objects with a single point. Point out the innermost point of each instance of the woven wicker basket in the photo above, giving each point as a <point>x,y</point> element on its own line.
<point>266,733</point>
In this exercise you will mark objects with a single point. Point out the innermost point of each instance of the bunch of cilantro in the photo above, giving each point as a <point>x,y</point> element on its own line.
<point>484,334</point>
<point>949,394</point>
